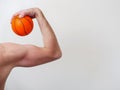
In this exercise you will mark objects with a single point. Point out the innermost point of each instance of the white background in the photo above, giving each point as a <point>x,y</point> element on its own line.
<point>89,34</point>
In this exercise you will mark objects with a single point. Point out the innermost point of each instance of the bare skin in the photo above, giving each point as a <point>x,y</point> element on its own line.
<point>16,55</point>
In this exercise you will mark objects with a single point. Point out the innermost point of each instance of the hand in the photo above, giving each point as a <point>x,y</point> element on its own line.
<point>32,12</point>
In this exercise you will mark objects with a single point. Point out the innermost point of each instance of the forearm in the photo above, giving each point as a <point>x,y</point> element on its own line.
<point>49,38</point>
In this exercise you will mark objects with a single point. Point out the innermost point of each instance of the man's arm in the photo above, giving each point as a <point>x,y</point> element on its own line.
<point>40,55</point>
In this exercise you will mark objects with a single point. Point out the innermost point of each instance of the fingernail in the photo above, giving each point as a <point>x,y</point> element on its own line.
<point>20,16</point>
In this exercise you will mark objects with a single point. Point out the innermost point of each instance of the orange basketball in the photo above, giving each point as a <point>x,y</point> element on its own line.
<point>22,26</point>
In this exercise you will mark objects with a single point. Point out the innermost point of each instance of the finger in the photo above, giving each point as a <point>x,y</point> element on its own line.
<point>16,14</point>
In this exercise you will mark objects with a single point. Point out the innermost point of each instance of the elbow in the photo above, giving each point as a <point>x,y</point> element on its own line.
<point>58,55</point>
<point>54,55</point>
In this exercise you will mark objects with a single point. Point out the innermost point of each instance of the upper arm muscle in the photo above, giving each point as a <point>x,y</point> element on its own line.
<point>35,56</point>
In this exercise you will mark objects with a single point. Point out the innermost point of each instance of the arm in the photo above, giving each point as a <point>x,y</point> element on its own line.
<point>40,55</point>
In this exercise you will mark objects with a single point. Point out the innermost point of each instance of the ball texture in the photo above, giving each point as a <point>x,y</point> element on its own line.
<point>22,26</point>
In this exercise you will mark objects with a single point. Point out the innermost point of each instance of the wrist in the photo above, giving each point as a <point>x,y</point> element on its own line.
<point>38,12</point>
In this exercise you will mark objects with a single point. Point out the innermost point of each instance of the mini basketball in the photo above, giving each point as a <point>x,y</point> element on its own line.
<point>22,26</point>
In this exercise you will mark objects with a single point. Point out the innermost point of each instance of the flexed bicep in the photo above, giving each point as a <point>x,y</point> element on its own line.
<point>12,53</point>
<point>36,56</point>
